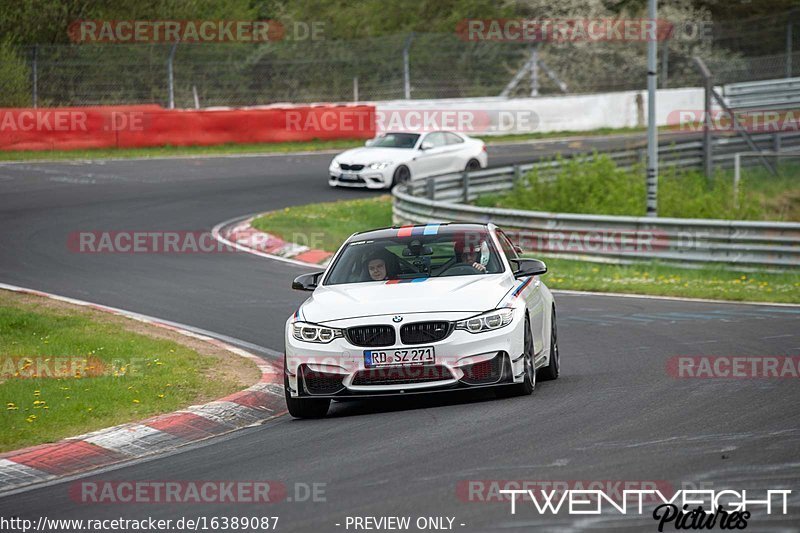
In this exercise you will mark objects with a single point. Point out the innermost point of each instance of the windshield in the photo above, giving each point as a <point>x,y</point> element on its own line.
<point>395,140</point>
<point>412,255</point>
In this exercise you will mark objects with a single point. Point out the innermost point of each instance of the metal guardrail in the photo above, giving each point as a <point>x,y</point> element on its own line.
<point>610,238</point>
<point>763,95</point>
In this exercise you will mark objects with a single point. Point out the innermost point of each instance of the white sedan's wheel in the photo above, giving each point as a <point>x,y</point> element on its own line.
<point>401,175</point>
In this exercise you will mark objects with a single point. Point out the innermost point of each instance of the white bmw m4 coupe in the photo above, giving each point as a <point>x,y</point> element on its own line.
<point>418,309</point>
<point>397,157</point>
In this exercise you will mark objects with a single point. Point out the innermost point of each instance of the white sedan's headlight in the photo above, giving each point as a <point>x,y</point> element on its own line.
<point>487,321</point>
<point>379,165</point>
<point>335,164</point>
<point>304,331</point>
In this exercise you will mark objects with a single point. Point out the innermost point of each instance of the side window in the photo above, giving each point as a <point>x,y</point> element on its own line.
<point>452,138</point>
<point>437,139</point>
<point>506,245</point>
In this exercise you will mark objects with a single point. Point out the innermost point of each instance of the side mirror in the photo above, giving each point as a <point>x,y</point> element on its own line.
<point>426,145</point>
<point>528,267</point>
<point>369,142</point>
<point>306,282</point>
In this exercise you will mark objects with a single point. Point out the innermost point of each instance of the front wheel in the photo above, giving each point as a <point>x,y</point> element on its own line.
<point>401,175</point>
<point>304,407</point>
<point>553,367</point>
<point>529,381</point>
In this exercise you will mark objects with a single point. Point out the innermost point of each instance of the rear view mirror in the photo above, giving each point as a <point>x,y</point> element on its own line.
<point>425,250</point>
<point>306,282</point>
<point>528,267</point>
<point>416,248</point>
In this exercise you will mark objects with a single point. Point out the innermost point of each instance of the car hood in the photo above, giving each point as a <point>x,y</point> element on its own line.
<point>367,155</point>
<point>450,294</point>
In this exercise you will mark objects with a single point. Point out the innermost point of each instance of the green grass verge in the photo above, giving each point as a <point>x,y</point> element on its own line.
<point>176,151</point>
<point>66,370</point>
<point>325,226</point>
<point>595,185</point>
<point>329,224</point>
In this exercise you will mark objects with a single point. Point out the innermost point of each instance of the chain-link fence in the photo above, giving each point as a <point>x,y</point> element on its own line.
<point>385,68</point>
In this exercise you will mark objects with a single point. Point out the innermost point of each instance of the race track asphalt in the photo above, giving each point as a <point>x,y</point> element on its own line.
<point>614,415</point>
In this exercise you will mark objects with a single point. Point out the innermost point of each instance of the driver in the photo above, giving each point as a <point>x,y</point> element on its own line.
<point>377,269</point>
<point>469,254</point>
<point>378,266</point>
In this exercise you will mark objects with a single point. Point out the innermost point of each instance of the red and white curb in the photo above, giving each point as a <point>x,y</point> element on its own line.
<point>256,404</point>
<point>243,236</point>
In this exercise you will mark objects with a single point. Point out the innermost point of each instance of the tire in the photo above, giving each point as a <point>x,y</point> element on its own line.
<point>528,385</point>
<point>472,165</point>
<point>304,407</point>
<point>552,370</point>
<point>401,175</point>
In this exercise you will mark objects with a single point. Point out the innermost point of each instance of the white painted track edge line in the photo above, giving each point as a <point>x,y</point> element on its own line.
<point>670,298</point>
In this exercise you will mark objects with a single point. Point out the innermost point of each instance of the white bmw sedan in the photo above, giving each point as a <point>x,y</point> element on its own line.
<point>418,309</point>
<point>394,158</point>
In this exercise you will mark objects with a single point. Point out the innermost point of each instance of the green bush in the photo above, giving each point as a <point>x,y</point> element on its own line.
<point>14,78</point>
<point>595,185</point>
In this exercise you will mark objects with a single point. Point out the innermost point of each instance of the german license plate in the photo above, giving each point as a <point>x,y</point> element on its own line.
<point>348,177</point>
<point>399,357</point>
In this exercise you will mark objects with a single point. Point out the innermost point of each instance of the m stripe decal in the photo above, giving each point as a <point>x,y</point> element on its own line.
<point>409,231</point>
<point>522,287</point>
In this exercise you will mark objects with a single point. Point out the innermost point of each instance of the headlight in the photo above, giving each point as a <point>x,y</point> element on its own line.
<point>303,331</point>
<point>335,164</point>
<point>379,166</point>
<point>487,321</point>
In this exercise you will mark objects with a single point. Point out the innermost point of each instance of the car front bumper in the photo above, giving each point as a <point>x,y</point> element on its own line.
<point>462,360</point>
<point>364,179</point>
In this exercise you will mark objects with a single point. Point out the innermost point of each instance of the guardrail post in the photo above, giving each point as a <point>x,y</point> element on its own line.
<point>708,87</point>
<point>465,177</point>
<point>789,47</point>
<point>776,142</point>
<point>406,69</point>
<point>517,175</point>
<point>170,77</point>
<point>431,189</point>
<point>35,72</point>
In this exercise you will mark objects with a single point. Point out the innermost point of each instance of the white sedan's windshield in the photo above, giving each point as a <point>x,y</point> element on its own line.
<point>396,140</point>
<point>400,258</point>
